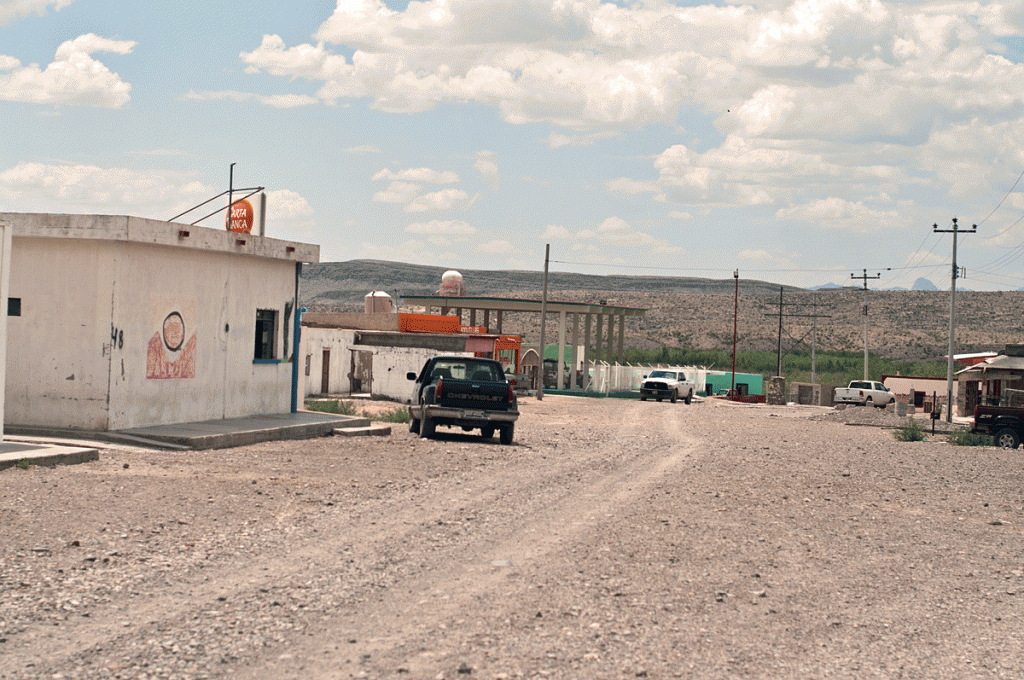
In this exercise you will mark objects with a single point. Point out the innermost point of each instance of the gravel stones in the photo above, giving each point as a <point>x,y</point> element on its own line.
<point>613,539</point>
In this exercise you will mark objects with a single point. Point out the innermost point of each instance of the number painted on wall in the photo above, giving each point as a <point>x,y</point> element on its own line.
<point>116,338</point>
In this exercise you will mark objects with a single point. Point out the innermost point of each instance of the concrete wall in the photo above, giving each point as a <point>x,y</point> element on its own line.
<point>354,320</point>
<point>116,334</point>
<point>314,342</point>
<point>389,364</point>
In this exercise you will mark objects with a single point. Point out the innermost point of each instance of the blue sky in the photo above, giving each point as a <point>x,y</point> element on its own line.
<point>798,142</point>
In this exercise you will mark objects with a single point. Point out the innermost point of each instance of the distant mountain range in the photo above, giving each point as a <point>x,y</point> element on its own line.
<point>699,313</point>
<point>920,284</point>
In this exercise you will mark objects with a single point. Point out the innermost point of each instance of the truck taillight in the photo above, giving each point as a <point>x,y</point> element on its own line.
<point>440,388</point>
<point>511,397</point>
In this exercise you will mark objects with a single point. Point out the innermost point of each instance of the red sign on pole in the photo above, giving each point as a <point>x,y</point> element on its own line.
<point>240,217</point>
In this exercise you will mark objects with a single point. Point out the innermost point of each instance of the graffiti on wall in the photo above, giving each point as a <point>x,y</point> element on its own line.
<point>172,351</point>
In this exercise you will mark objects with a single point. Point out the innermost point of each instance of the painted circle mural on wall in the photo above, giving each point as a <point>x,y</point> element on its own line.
<point>174,331</point>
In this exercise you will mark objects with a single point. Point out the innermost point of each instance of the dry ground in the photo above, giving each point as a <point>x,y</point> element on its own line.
<point>615,539</point>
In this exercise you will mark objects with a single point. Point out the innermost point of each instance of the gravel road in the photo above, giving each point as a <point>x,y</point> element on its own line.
<point>614,539</point>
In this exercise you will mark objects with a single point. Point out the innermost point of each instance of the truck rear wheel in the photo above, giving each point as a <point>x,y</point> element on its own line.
<point>487,432</point>
<point>869,402</point>
<point>427,428</point>
<point>414,425</point>
<point>675,396</point>
<point>689,396</point>
<point>507,433</point>
<point>1007,438</point>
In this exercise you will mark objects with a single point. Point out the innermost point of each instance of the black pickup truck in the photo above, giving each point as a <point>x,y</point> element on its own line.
<point>464,392</point>
<point>1005,423</point>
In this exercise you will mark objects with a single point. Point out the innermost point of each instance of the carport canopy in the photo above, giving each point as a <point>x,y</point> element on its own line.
<point>601,316</point>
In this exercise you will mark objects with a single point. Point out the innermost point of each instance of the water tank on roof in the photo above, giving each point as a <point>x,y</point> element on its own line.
<point>451,284</point>
<point>377,302</point>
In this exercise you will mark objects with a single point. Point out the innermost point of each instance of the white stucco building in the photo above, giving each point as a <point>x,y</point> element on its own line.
<point>118,322</point>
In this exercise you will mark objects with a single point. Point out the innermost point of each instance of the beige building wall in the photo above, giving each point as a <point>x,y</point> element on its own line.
<point>128,322</point>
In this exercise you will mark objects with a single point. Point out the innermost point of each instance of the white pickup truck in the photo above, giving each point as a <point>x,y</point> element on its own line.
<point>670,385</point>
<point>865,393</point>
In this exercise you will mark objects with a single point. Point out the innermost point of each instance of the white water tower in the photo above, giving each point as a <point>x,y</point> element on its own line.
<point>451,284</point>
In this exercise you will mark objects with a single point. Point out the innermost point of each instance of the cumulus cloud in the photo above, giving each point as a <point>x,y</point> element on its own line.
<point>426,175</point>
<point>754,255</point>
<point>497,247</point>
<point>397,192</point>
<point>487,168</point>
<point>839,214</point>
<point>555,140</point>
<point>73,77</point>
<point>67,187</point>
<point>277,101</point>
<point>556,231</point>
<point>446,199</point>
<point>12,10</point>
<point>439,227</point>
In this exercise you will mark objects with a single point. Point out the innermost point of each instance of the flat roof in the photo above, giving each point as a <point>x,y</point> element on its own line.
<point>126,228</point>
<point>519,305</point>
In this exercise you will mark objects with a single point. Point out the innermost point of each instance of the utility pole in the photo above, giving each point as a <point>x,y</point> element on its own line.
<point>231,192</point>
<point>735,317</point>
<point>778,369</point>
<point>543,317</point>
<point>865,277</point>
<point>783,313</point>
<point>952,312</point>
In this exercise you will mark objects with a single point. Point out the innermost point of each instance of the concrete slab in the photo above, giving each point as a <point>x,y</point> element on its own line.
<point>208,434</point>
<point>24,453</point>
<point>229,432</point>
<point>369,431</point>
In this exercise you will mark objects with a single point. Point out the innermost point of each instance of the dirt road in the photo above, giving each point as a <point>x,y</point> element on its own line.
<point>614,539</point>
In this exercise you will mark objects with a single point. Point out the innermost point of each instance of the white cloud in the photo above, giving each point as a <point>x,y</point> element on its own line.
<point>368,148</point>
<point>12,10</point>
<point>414,251</point>
<point>624,185</point>
<point>287,204</point>
<point>68,188</point>
<point>439,227</point>
<point>754,255</point>
<point>487,168</point>
<point>278,101</point>
<point>426,175</point>
<point>397,192</point>
<point>839,214</point>
<point>556,231</point>
<point>617,230</point>
<point>446,199</point>
<point>74,77</point>
<point>498,247</point>
<point>556,140</point>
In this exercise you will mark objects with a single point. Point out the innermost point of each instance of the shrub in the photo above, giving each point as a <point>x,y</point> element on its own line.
<point>395,415</point>
<point>339,407</point>
<point>911,432</point>
<point>968,438</point>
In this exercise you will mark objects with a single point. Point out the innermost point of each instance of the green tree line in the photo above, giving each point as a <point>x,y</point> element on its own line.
<point>831,367</point>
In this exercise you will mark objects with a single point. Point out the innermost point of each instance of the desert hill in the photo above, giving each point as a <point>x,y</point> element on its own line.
<point>698,312</point>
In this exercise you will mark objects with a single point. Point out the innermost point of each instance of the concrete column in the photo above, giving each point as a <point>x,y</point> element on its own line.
<point>609,350</point>
<point>597,337</point>
<point>561,350</point>
<point>622,336</point>
<point>487,319</point>
<point>6,231</point>
<point>472,317</point>
<point>574,351</point>
<point>586,351</point>
<point>499,313</point>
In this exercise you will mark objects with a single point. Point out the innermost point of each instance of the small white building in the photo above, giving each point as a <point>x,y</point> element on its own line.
<point>119,322</point>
